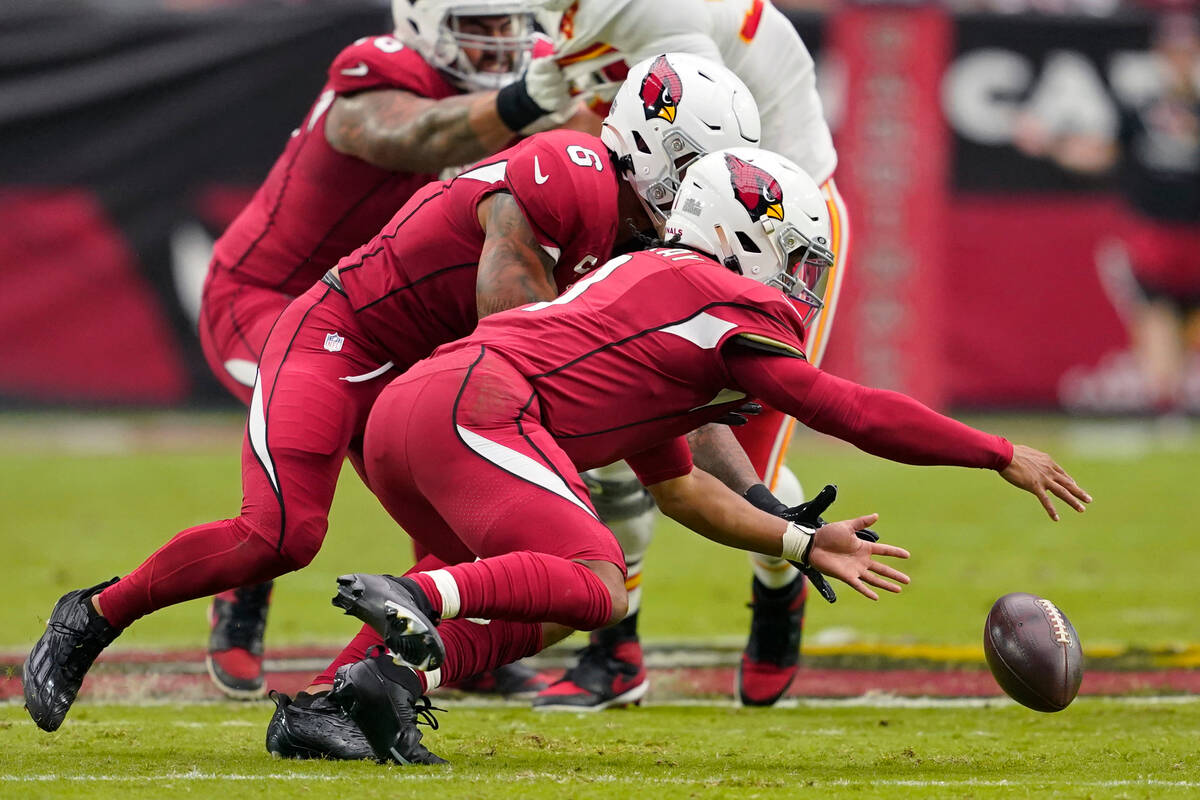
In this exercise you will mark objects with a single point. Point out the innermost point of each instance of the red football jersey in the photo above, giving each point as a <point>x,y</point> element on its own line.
<point>317,204</point>
<point>413,285</point>
<point>631,356</point>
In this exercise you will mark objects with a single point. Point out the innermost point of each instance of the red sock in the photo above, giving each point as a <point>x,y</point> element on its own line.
<point>521,587</point>
<point>355,651</point>
<point>198,562</point>
<point>472,648</point>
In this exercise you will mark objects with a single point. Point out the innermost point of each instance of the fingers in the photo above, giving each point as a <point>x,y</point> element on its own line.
<point>1065,494</point>
<point>863,523</point>
<point>1040,493</point>
<point>875,580</point>
<point>880,549</point>
<point>860,587</point>
<point>890,572</point>
<point>1077,493</point>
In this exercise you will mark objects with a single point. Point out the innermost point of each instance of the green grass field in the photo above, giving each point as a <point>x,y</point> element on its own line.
<point>1096,749</point>
<point>83,506</point>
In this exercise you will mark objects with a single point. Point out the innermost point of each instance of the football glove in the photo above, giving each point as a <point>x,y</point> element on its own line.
<point>807,514</point>
<point>740,416</point>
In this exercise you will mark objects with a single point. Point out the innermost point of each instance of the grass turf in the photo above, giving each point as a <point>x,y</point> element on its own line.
<point>1123,572</point>
<point>1097,748</point>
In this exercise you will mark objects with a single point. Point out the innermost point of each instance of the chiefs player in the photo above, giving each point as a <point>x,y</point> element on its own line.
<point>593,40</point>
<point>475,450</point>
<point>446,89</point>
<point>516,228</point>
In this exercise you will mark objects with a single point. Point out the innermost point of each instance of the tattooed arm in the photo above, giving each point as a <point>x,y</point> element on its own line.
<point>400,131</point>
<point>513,267</point>
<point>716,451</point>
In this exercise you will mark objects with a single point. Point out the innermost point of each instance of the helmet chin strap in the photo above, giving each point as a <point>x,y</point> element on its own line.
<point>727,258</point>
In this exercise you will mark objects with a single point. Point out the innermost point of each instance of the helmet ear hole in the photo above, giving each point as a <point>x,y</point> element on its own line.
<point>641,143</point>
<point>747,243</point>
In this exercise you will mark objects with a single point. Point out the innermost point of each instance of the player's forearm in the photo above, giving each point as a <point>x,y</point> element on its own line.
<point>705,505</point>
<point>716,451</point>
<point>513,267</point>
<point>886,424</point>
<point>403,132</point>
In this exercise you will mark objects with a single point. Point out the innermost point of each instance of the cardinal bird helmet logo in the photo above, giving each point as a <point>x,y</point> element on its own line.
<point>755,189</point>
<point>661,90</point>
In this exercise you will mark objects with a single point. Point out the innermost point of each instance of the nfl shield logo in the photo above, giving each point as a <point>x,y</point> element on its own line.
<point>333,342</point>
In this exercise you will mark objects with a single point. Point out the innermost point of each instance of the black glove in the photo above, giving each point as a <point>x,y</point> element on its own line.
<point>740,416</point>
<point>809,515</point>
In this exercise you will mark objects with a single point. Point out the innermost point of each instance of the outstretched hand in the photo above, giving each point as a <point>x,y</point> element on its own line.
<point>839,552</point>
<point>1037,473</point>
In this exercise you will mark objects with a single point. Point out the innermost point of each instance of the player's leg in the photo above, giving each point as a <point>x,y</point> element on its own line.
<point>488,478</point>
<point>505,490</point>
<point>610,670</point>
<point>302,417</point>
<point>778,591</point>
<point>311,725</point>
<point>234,323</point>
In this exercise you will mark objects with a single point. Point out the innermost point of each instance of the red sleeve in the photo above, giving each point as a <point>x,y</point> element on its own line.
<point>886,424</point>
<point>381,62</point>
<point>672,459</point>
<point>564,183</point>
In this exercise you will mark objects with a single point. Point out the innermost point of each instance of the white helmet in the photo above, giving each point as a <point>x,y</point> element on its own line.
<point>761,216</point>
<point>671,110</point>
<point>431,27</point>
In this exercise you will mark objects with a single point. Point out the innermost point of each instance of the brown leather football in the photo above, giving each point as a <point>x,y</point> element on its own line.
<point>1033,651</point>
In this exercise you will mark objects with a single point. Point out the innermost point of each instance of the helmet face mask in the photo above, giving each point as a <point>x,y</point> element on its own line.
<point>762,217</point>
<point>671,110</point>
<point>479,44</point>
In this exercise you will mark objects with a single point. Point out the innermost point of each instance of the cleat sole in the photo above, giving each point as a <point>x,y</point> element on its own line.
<point>412,642</point>
<point>632,697</point>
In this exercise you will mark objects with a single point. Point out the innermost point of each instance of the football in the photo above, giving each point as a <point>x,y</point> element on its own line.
<point>1033,651</point>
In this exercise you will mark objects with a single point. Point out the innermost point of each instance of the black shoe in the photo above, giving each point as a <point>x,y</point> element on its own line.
<point>610,673</point>
<point>772,656</point>
<point>313,726</point>
<point>514,681</point>
<point>75,635</point>
<point>384,700</point>
<point>399,612</point>
<point>235,643</point>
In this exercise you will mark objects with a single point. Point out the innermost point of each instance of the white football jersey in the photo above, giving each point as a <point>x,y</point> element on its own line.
<point>750,37</point>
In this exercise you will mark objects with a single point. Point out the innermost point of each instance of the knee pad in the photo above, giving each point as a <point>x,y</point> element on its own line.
<point>625,507</point>
<point>616,493</point>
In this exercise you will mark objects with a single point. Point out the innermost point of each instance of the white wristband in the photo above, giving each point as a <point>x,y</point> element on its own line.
<point>797,539</point>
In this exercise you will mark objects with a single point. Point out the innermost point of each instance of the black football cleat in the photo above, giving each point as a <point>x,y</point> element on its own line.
<point>610,673</point>
<point>772,655</point>
<point>238,619</point>
<point>53,672</point>
<point>313,726</point>
<point>399,612</point>
<point>384,700</point>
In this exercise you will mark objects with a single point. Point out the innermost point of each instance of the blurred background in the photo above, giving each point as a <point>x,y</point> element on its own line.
<point>996,198</point>
<point>989,269</point>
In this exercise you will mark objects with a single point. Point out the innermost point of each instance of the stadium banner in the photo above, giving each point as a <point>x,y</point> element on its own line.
<point>886,331</point>
<point>1038,292</point>
<point>978,277</point>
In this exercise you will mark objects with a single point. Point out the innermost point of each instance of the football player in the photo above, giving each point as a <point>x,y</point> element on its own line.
<point>476,450</point>
<point>452,85</point>
<point>517,227</point>
<point>593,41</point>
